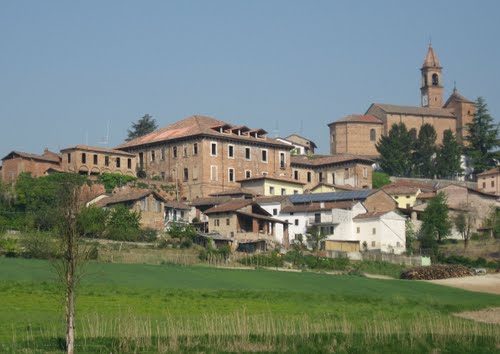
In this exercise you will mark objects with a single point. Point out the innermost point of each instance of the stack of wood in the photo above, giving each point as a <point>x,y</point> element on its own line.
<point>438,271</point>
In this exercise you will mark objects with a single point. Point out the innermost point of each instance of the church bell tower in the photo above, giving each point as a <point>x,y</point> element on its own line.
<point>432,88</point>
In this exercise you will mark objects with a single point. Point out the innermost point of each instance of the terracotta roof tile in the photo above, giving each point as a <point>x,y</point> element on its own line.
<point>373,215</point>
<point>195,126</point>
<point>126,196</point>
<point>97,149</point>
<point>177,205</point>
<point>232,205</point>
<point>413,110</point>
<point>360,118</point>
<point>319,160</point>
<point>235,191</point>
<point>492,171</point>
<point>302,208</point>
<point>47,156</point>
<point>271,199</point>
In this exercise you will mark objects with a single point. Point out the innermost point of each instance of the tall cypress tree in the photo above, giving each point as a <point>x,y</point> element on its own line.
<point>448,159</point>
<point>395,151</point>
<point>482,140</point>
<point>425,150</point>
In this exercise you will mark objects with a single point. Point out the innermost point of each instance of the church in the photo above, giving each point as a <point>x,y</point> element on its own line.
<point>358,133</point>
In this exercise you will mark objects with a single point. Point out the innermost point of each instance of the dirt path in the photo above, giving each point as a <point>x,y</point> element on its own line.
<point>489,283</point>
<point>491,315</point>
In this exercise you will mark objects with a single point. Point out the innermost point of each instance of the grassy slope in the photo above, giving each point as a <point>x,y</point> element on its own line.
<point>30,295</point>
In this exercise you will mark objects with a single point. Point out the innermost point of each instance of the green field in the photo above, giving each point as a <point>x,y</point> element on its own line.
<point>149,308</point>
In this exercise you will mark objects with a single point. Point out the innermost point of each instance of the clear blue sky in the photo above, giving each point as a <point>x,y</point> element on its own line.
<point>67,67</point>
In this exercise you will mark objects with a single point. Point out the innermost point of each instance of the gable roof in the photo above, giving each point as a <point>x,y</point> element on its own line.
<point>344,187</point>
<point>127,196</point>
<point>311,143</point>
<point>371,215</point>
<point>455,96</point>
<point>330,196</point>
<point>301,208</point>
<point>271,199</point>
<point>321,160</point>
<point>177,205</point>
<point>97,149</point>
<point>473,190</point>
<point>359,118</point>
<point>232,205</point>
<point>235,191</point>
<point>201,126</point>
<point>48,156</point>
<point>207,201</point>
<point>395,189</point>
<point>492,171</point>
<point>412,110</point>
<point>272,178</point>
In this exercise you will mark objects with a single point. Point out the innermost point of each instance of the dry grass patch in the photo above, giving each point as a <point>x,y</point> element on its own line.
<point>490,315</point>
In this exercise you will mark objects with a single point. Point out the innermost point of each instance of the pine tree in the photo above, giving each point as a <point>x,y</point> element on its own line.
<point>425,150</point>
<point>395,151</point>
<point>482,139</point>
<point>145,125</point>
<point>448,159</point>
<point>436,224</point>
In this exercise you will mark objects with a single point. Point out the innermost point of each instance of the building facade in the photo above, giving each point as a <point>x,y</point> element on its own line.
<point>358,134</point>
<point>17,162</point>
<point>205,155</point>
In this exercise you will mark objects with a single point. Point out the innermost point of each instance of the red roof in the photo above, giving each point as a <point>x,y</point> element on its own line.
<point>360,118</point>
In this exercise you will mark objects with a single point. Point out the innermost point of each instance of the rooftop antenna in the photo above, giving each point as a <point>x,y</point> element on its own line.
<point>276,130</point>
<point>301,127</point>
<point>86,137</point>
<point>105,139</point>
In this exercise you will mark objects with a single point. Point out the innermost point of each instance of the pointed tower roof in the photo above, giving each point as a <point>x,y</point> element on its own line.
<point>431,59</point>
<point>456,96</point>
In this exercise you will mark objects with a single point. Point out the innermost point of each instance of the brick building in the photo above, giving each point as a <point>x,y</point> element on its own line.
<point>358,134</point>
<point>93,160</point>
<point>17,162</point>
<point>339,169</point>
<point>489,181</point>
<point>207,155</point>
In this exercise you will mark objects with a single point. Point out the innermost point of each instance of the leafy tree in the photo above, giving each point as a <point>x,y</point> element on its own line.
<point>425,150</point>
<point>145,125</point>
<point>448,159</point>
<point>436,224</point>
<point>465,220</point>
<point>92,221</point>
<point>411,237</point>
<point>493,222</point>
<point>315,236</point>
<point>395,151</point>
<point>482,139</point>
<point>380,179</point>
<point>123,224</point>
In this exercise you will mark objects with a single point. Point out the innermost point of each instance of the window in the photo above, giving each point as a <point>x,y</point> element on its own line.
<point>185,151</point>
<point>248,174</point>
<point>296,175</point>
<point>129,164</point>
<point>96,159</point>
<point>214,173</point>
<point>398,244</point>
<point>396,196</point>
<point>174,152</point>
<point>435,80</point>
<point>118,164</point>
<point>228,222</point>
<point>365,172</point>
<point>282,160</point>
<point>231,174</point>
<point>275,211</point>
<point>162,175</point>
<point>346,173</point>
<point>271,190</point>
<point>333,178</point>
<point>195,149</point>
<point>213,149</point>
<point>309,177</point>
<point>296,222</point>
<point>484,184</point>
<point>373,135</point>
<point>69,158</point>
<point>84,158</point>
<point>153,157</point>
<point>162,153</point>
<point>283,191</point>
<point>320,177</point>
<point>216,222</point>
<point>407,197</point>
<point>407,206</point>
<point>374,231</point>
<point>230,151</point>
<point>264,155</point>
<point>493,183</point>
<point>106,160</point>
<point>295,191</point>
<point>186,174</point>
<point>247,153</point>
<point>374,244</point>
<point>358,230</point>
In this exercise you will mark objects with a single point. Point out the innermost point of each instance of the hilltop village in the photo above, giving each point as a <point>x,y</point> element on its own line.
<point>239,187</point>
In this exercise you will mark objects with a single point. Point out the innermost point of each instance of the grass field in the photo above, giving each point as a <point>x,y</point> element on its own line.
<point>154,308</point>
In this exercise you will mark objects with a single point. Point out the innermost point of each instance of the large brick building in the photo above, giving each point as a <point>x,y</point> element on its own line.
<point>17,162</point>
<point>358,134</point>
<point>207,155</point>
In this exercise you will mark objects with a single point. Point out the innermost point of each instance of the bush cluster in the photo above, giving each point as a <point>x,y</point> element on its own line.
<point>479,262</point>
<point>221,253</point>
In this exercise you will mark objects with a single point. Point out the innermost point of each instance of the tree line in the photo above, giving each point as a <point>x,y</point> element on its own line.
<point>405,153</point>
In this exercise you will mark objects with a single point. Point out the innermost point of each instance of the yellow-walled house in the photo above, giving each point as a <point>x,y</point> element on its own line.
<point>269,185</point>
<point>328,187</point>
<point>405,196</point>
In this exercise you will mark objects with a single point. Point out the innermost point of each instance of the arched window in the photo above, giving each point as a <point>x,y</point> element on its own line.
<point>435,80</point>
<point>373,135</point>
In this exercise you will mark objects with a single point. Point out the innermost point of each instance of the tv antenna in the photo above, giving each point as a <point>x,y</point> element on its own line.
<point>105,139</point>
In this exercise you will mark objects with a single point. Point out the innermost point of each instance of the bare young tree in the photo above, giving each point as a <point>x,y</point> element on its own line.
<point>72,253</point>
<point>464,221</point>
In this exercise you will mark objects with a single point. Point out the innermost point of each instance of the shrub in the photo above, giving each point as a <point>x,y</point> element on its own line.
<point>9,247</point>
<point>123,224</point>
<point>92,221</point>
<point>148,235</point>
<point>39,245</point>
<point>113,180</point>
<point>263,260</point>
